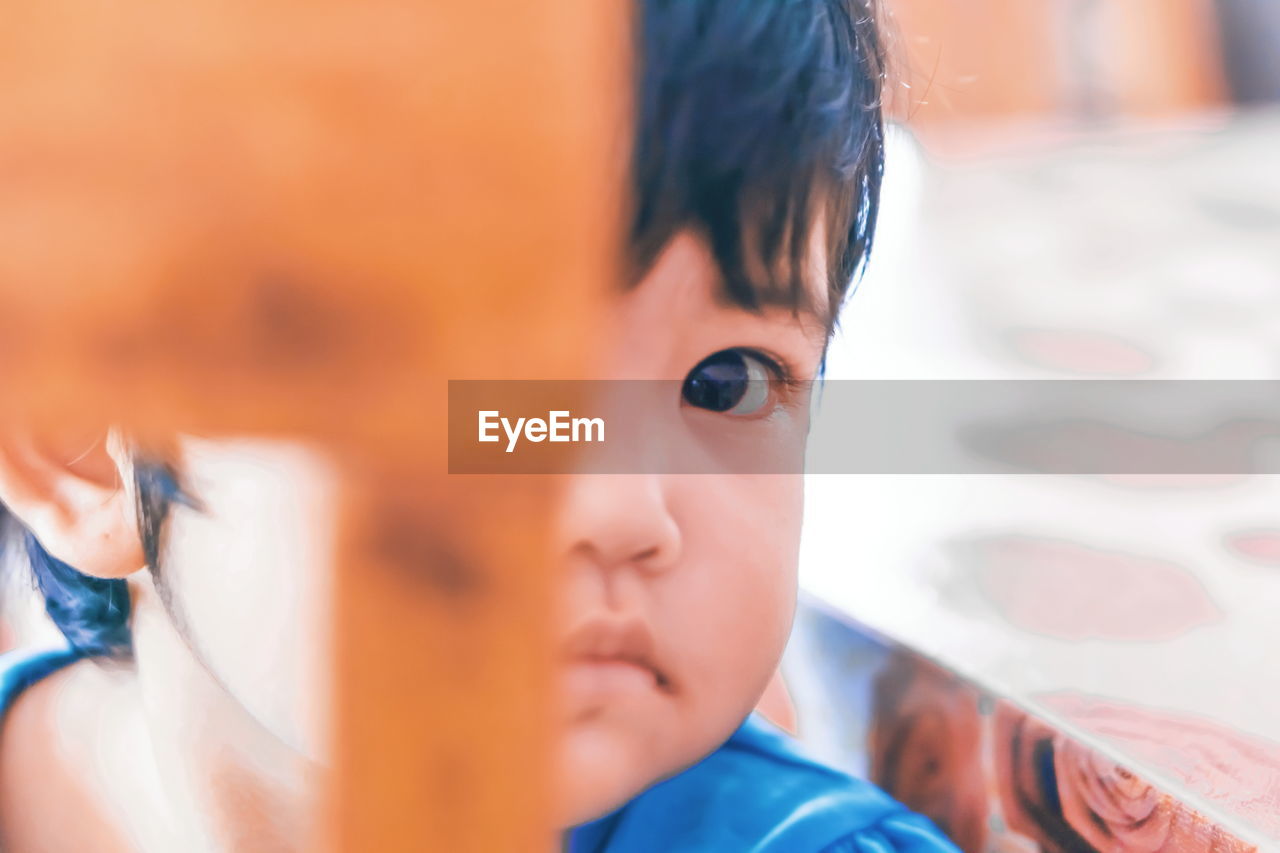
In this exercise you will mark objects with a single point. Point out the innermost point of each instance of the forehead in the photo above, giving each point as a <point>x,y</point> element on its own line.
<point>689,282</point>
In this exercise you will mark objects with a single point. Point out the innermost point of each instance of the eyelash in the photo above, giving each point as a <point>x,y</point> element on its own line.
<point>776,364</point>
<point>785,388</point>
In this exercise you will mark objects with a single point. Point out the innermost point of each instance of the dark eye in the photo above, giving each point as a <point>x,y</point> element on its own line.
<point>731,381</point>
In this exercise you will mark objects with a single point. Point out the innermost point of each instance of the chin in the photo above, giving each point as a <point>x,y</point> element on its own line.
<point>597,772</point>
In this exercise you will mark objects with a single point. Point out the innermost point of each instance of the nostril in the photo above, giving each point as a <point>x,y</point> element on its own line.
<point>647,554</point>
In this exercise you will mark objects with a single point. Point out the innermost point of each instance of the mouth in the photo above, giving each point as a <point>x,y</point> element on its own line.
<point>612,653</point>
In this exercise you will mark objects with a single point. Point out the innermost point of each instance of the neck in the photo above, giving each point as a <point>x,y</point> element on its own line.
<point>228,783</point>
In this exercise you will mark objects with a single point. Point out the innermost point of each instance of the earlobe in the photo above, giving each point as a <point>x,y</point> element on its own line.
<point>71,493</point>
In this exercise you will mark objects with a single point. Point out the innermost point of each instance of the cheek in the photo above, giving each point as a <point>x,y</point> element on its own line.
<point>737,578</point>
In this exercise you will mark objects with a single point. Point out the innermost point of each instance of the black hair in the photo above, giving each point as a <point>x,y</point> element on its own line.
<point>93,613</point>
<point>756,120</point>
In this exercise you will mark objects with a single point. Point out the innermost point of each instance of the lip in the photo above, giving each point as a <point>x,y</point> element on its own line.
<point>615,644</point>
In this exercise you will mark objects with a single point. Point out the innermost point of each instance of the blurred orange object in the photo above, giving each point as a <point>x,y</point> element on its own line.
<point>292,219</point>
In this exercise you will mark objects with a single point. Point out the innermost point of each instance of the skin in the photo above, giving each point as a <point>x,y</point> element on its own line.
<point>212,738</point>
<point>717,598</point>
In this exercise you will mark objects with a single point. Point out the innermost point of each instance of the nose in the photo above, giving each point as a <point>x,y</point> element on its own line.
<point>619,520</point>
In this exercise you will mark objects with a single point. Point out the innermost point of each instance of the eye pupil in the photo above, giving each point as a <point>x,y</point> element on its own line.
<point>718,383</point>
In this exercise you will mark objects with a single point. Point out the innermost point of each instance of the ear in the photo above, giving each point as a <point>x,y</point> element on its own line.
<point>74,491</point>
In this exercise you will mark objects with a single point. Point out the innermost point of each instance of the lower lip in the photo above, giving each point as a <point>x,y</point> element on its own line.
<point>585,678</point>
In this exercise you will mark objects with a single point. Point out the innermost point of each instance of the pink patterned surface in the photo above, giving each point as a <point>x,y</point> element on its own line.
<point>1261,546</point>
<point>1236,771</point>
<point>995,777</point>
<point>1091,660</point>
<point>1082,351</point>
<point>1075,592</point>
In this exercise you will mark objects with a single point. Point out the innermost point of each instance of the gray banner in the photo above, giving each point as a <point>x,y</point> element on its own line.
<point>1073,427</point>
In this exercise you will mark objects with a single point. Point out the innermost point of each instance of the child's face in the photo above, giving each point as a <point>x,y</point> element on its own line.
<point>692,574</point>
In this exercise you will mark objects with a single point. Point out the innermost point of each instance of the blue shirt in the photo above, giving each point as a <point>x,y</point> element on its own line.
<point>21,668</point>
<point>758,793</point>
